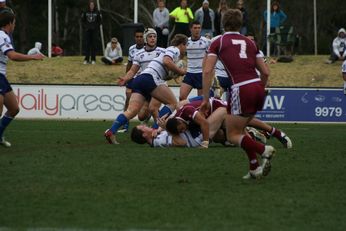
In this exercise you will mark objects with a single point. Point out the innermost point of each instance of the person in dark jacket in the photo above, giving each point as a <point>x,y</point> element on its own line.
<point>223,7</point>
<point>91,20</point>
<point>240,6</point>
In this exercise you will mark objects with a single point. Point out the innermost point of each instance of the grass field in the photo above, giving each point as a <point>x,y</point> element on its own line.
<point>304,71</point>
<point>60,175</point>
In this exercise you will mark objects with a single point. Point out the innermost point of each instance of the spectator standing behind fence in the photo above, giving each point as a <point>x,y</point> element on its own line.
<point>206,17</point>
<point>113,53</point>
<point>277,18</point>
<point>161,23</point>
<point>223,7</point>
<point>338,47</point>
<point>182,16</point>
<point>91,20</point>
<point>240,6</point>
<point>36,49</point>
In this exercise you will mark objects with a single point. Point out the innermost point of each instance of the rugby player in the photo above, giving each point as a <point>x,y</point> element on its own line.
<point>151,83</point>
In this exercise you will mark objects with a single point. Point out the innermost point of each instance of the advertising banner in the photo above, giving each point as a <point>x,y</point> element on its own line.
<point>304,105</point>
<point>107,102</point>
<point>71,101</point>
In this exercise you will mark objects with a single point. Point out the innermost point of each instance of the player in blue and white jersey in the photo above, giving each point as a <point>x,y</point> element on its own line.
<point>7,96</point>
<point>139,44</point>
<point>152,83</point>
<point>140,61</point>
<point>142,134</point>
<point>197,46</point>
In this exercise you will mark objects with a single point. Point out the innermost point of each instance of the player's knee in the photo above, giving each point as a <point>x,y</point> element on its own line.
<point>129,114</point>
<point>13,112</point>
<point>143,117</point>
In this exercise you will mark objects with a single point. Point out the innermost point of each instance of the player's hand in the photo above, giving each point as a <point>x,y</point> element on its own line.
<point>183,71</point>
<point>154,133</point>
<point>161,121</point>
<point>38,56</point>
<point>205,106</point>
<point>122,81</point>
<point>178,80</point>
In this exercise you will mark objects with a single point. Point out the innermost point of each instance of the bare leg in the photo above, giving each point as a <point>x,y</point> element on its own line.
<point>144,113</point>
<point>185,90</point>
<point>165,95</point>
<point>215,121</point>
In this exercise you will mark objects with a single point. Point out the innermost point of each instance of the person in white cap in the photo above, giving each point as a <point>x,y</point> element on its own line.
<point>206,17</point>
<point>338,47</point>
<point>36,49</point>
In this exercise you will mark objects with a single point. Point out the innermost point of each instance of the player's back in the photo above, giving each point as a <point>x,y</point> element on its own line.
<point>238,54</point>
<point>156,67</point>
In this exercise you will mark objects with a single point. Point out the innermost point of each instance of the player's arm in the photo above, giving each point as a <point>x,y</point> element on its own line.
<point>177,141</point>
<point>128,66</point>
<point>129,75</point>
<point>15,56</point>
<point>203,123</point>
<point>208,71</point>
<point>170,65</point>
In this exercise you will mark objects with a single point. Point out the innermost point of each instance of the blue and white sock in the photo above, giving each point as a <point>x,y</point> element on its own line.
<point>119,121</point>
<point>165,110</point>
<point>196,98</point>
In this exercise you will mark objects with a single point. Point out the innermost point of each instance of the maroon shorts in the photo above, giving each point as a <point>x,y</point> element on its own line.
<point>246,99</point>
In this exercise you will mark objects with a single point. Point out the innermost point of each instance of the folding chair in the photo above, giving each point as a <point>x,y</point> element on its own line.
<point>283,40</point>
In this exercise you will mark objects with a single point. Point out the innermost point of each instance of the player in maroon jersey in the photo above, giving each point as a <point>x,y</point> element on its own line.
<point>188,117</point>
<point>240,57</point>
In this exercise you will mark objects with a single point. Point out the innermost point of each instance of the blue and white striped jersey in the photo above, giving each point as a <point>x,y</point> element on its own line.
<point>156,68</point>
<point>164,139</point>
<point>196,50</point>
<point>143,57</point>
<point>132,52</point>
<point>5,46</point>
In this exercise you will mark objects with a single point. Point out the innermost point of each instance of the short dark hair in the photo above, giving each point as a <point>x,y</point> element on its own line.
<point>196,22</point>
<point>179,39</point>
<point>172,126</point>
<point>137,136</point>
<point>139,30</point>
<point>6,17</point>
<point>232,20</point>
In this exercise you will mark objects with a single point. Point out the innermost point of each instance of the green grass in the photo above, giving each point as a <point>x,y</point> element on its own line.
<point>61,174</point>
<point>304,71</point>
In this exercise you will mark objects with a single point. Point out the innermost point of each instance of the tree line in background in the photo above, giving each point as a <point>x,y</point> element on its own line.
<point>32,19</point>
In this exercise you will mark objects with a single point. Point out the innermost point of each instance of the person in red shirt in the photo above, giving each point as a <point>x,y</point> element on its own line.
<point>56,50</point>
<point>240,57</point>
